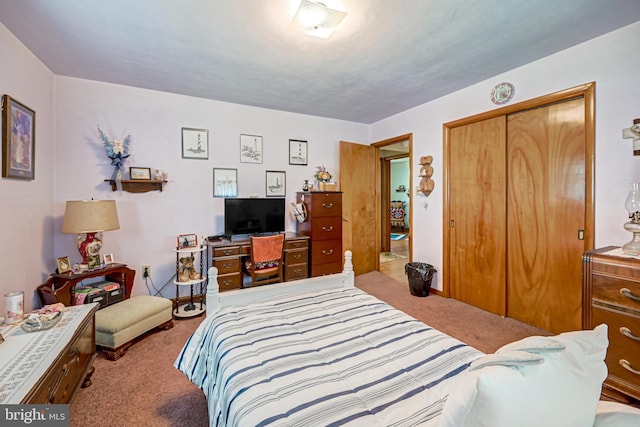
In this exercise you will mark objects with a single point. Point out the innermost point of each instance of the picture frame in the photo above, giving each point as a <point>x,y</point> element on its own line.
<point>298,152</point>
<point>136,173</point>
<point>195,143</point>
<point>63,264</point>
<point>186,241</point>
<point>225,182</point>
<point>250,149</point>
<point>276,184</point>
<point>18,140</point>
<point>93,262</point>
<point>108,258</point>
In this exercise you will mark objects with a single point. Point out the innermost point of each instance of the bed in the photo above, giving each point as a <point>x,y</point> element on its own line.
<point>321,352</point>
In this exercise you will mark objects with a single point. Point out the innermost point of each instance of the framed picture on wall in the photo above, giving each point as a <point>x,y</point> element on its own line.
<point>195,143</point>
<point>225,182</point>
<point>139,173</point>
<point>250,149</point>
<point>276,184</point>
<point>18,139</point>
<point>298,152</point>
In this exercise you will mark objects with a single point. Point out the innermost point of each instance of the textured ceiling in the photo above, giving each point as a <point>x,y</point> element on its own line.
<point>386,57</point>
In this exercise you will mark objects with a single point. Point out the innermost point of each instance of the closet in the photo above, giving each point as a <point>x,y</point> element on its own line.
<point>518,208</point>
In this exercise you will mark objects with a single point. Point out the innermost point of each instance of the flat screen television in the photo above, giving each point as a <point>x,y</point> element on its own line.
<point>253,216</point>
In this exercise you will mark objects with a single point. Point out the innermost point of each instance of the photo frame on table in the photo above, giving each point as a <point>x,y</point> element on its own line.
<point>225,182</point>
<point>107,258</point>
<point>276,184</point>
<point>298,154</point>
<point>139,173</point>
<point>195,143</point>
<point>18,139</point>
<point>186,241</point>
<point>94,262</point>
<point>250,149</point>
<point>64,265</point>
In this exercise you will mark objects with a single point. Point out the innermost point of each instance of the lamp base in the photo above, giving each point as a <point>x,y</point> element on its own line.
<point>89,246</point>
<point>633,247</point>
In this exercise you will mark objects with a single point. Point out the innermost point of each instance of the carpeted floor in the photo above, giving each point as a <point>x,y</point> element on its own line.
<point>144,389</point>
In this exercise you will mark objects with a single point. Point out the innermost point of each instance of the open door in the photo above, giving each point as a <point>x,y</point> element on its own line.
<point>360,226</point>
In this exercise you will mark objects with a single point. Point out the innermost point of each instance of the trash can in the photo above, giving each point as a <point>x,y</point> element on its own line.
<point>420,275</point>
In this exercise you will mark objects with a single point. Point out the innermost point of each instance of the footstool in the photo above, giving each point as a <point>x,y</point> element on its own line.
<point>119,325</point>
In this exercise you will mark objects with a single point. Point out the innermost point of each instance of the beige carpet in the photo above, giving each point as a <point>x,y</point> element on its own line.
<point>144,389</point>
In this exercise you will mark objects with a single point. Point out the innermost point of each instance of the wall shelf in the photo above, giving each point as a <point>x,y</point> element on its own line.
<point>137,185</point>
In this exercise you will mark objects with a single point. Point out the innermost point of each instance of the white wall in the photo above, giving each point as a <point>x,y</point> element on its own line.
<point>150,222</point>
<point>26,207</point>
<point>607,60</point>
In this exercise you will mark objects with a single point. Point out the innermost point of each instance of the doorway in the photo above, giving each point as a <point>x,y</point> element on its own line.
<point>395,206</point>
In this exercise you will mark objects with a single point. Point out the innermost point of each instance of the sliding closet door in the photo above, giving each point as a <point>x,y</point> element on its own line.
<point>545,213</point>
<point>477,209</point>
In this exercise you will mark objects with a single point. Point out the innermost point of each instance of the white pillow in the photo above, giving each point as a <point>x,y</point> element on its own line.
<point>508,358</point>
<point>562,391</point>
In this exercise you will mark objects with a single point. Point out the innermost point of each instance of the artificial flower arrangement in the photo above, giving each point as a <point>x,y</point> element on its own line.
<point>117,150</point>
<point>322,174</point>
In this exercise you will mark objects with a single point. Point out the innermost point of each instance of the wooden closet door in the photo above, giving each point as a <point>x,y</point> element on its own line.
<point>477,209</point>
<point>545,211</point>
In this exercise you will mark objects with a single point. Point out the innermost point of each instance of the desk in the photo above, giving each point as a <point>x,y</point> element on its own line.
<point>61,287</point>
<point>227,256</point>
<point>48,367</point>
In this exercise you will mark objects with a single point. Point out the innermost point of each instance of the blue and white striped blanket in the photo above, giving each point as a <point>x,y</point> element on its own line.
<point>339,357</point>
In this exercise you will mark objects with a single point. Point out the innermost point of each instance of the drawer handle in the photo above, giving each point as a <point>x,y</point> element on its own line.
<point>226,266</point>
<point>626,365</point>
<point>327,205</point>
<point>627,293</point>
<point>226,282</point>
<point>297,256</point>
<point>329,252</point>
<point>330,228</point>
<point>627,333</point>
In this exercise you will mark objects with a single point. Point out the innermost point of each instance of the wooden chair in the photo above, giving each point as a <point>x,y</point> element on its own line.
<point>266,259</point>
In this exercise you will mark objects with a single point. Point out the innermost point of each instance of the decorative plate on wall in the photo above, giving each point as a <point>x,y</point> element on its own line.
<point>502,93</point>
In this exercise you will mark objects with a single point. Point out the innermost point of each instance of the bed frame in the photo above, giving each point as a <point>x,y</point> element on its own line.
<point>216,299</point>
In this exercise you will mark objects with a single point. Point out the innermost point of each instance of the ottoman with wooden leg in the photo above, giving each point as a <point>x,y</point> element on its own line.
<point>119,325</point>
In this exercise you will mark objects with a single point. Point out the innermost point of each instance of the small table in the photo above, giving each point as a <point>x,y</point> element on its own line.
<point>61,287</point>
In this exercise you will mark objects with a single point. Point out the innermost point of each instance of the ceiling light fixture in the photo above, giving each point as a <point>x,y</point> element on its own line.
<point>316,19</point>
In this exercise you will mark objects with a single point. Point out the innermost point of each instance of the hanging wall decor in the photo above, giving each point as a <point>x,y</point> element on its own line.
<point>18,139</point>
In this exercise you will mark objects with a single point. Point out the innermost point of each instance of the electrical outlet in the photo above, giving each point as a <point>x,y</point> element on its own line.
<point>146,271</point>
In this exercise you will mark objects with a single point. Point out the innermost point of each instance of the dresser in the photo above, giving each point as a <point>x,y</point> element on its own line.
<point>611,282</point>
<point>228,256</point>
<point>49,366</point>
<point>324,228</point>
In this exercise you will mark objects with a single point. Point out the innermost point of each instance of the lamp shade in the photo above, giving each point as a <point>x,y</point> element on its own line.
<point>90,216</point>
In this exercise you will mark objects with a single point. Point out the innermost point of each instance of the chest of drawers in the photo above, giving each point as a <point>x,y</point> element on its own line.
<point>324,228</point>
<point>612,295</point>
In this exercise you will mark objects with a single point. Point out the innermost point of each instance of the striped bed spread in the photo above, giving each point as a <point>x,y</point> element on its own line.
<point>337,357</point>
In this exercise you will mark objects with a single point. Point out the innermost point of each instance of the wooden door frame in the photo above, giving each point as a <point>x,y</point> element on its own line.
<point>587,91</point>
<point>380,200</point>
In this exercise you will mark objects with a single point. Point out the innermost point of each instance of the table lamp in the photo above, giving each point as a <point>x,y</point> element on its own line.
<point>87,218</point>
<point>633,207</point>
